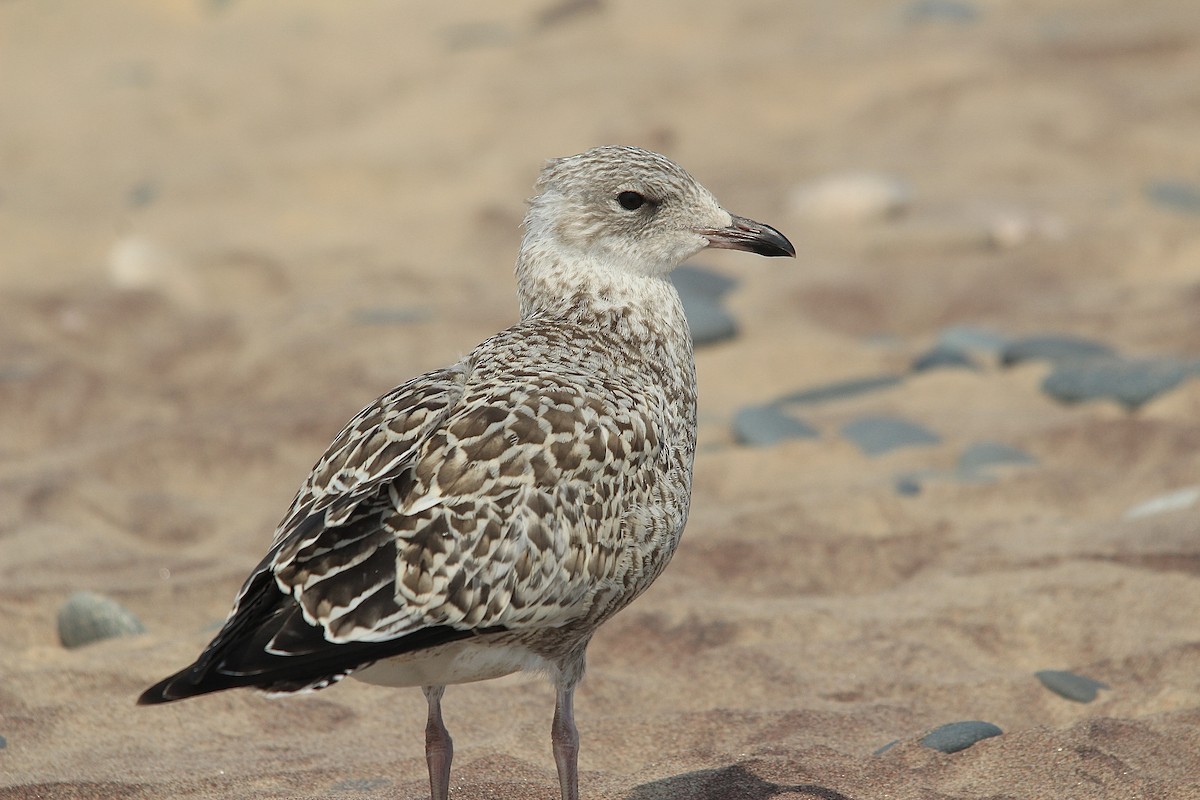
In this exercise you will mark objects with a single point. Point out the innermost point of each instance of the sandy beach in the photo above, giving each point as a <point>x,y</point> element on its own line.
<point>227,225</point>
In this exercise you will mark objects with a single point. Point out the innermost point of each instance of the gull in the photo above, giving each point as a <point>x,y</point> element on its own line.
<point>486,518</point>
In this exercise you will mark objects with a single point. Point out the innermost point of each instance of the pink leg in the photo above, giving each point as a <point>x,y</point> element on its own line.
<point>565,738</point>
<point>439,747</point>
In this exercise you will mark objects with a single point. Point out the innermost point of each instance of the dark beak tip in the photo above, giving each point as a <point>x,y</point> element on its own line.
<point>774,244</point>
<point>754,237</point>
<point>781,249</point>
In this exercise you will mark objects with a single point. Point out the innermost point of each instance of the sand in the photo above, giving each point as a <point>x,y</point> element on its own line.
<point>226,226</point>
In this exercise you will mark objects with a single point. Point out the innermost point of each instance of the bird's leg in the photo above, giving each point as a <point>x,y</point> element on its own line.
<point>565,738</point>
<point>439,747</point>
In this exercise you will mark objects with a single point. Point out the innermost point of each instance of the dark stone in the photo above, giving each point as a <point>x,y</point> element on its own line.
<point>940,357</point>
<point>959,735</point>
<point>383,315</point>
<point>143,194</point>
<point>1079,688</point>
<point>941,11</point>
<point>841,390</point>
<point>979,455</point>
<point>88,617</point>
<point>1129,381</point>
<point>708,320</point>
<point>1175,196</point>
<point>965,339</point>
<point>886,747</point>
<point>765,425</point>
<point>876,435</point>
<point>701,281</point>
<point>701,291</point>
<point>908,485</point>
<point>1053,348</point>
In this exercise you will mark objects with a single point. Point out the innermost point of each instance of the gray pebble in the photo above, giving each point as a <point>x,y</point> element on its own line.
<point>941,11</point>
<point>1175,196</point>
<point>886,747</point>
<point>966,338</point>
<point>979,455</point>
<point>1129,381</point>
<point>701,291</point>
<point>384,315</point>
<point>940,357</point>
<point>959,735</point>
<point>88,617</point>
<point>841,390</point>
<point>764,425</point>
<point>707,319</point>
<point>1053,348</point>
<point>908,484</point>
<point>1079,688</point>
<point>701,281</point>
<point>3,743</point>
<point>876,435</point>
<point>142,194</point>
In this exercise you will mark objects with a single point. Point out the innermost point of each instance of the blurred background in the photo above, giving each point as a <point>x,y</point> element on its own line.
<point>226,225</point>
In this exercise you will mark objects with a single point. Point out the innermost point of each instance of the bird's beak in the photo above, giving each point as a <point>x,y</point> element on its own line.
<point>746,234</point>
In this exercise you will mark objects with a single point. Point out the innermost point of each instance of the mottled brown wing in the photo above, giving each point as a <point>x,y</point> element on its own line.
<point>454,506</point>
<point>375,447</point>
<point>512,517</point>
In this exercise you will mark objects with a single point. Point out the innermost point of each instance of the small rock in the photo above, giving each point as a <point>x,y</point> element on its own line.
<point>877,435</point>
<point>142,194</point>
<point>886,747</point>
<point>701,291</point>
<point>698,280</point>
<point>563,10</point>
<point>940,357</point>
<point>959,735</point>
<point>390,316</point>
<point>138,264</point>
<point>980,455</point>
<point>908,484</point>
<point>1053,348</point>
<point>708,321</point>
<point>1079,688</point>
<point>1129,381</point>
<point>1007,230</point>
<point>1175,196</point>
<point>851,197</point>
<point>1172,501</point>
<point>841,390</point>
<point>88,617</point>
<point>3,743</point>
<point>764,425</point>
<point>941,11</point>
<point>965,339</point>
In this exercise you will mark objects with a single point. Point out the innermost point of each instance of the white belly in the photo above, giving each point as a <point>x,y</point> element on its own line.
<point>459,662</point>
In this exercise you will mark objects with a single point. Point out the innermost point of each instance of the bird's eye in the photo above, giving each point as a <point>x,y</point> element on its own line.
<point>631,201</point>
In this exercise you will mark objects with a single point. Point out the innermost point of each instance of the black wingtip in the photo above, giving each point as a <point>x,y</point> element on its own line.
<point>176,687</point>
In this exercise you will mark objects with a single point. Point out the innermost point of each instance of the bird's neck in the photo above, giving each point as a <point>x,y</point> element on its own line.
<point>594,294</point>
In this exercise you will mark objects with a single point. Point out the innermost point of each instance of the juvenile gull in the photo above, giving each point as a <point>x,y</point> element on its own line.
<point>487,517</point>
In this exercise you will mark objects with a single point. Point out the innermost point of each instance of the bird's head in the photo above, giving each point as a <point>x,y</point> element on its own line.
<point>632,210</point>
